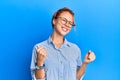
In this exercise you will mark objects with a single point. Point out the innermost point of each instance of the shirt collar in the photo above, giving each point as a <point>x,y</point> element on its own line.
<point>66,43</point>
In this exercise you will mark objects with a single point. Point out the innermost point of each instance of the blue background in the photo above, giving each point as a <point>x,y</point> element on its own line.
<point>23,23</point>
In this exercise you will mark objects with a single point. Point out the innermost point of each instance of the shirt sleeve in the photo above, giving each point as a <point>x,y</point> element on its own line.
<point>33,63</point>
<point>79,61</point>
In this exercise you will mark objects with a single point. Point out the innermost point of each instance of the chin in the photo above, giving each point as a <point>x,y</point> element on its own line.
<point>64,33</point>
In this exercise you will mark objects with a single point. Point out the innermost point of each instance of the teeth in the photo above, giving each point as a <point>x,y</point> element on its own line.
<point>64,29</point>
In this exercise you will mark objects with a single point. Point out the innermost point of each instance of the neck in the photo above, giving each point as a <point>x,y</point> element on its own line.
<point>57,39</point>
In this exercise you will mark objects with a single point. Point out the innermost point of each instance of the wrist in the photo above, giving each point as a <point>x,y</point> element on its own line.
<point>37,67</point>
<point>39,63</point>
<point>85,63</point>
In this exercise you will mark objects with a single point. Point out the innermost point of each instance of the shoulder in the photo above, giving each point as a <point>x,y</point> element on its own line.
<point>74,46</point>
<point>75,49</point>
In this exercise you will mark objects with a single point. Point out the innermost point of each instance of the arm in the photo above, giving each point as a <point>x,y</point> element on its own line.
<point>90,56</point>
<point>81,71</point>
<point>39,73</point>
<point>41,56</point>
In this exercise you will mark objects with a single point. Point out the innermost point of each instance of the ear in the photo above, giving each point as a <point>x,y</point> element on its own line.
<point>54,21</point>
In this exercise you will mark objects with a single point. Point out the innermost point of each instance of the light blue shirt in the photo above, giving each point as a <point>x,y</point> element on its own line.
<point>61,63</point>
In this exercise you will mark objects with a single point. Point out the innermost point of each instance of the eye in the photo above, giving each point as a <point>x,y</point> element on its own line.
<point>71,23</point>
<point>64,21</point>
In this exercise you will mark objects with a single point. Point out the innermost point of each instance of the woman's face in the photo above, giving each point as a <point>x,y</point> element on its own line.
<point>63,23</point>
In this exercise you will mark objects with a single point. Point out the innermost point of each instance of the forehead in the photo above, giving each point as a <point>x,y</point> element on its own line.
<point>67,15</point>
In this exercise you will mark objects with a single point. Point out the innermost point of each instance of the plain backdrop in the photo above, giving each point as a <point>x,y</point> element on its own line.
<point>23,23</point>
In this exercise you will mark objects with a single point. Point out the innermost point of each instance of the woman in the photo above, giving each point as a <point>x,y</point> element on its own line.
<point>57,58</point>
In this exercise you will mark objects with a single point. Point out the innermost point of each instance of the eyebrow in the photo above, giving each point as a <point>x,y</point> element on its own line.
<point>66,19</point>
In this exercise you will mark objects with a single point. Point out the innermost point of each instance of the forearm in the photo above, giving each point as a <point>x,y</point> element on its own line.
<point>39,73</point>
<point>81,70</point>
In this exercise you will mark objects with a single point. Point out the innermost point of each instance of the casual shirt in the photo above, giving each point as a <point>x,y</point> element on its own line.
<point>61,63</point>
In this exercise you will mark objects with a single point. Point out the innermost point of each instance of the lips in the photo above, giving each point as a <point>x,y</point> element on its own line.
<point>64,29</point>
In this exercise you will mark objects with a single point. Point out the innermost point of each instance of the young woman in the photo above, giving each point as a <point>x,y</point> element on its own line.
<point>56,58</point>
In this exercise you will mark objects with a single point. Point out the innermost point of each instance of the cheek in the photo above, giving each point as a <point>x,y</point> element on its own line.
<point>56,24</point>
<point>57,27</point>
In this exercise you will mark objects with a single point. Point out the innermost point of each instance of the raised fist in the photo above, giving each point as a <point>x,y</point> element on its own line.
<point>41,55</point>
<point>90,56</point>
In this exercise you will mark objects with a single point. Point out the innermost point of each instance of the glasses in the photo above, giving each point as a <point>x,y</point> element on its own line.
<point>65,21</point>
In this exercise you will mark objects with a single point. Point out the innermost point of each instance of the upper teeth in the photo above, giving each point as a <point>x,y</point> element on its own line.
<point>64,29</point>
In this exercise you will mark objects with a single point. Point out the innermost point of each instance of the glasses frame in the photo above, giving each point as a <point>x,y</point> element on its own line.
<point>65,21</point>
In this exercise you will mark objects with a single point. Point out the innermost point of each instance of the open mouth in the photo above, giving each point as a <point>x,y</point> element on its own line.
<point>64,29</point>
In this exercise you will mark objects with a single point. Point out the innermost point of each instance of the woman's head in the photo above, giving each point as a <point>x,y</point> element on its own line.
<point>59,12</point>
<point>62,21</point>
